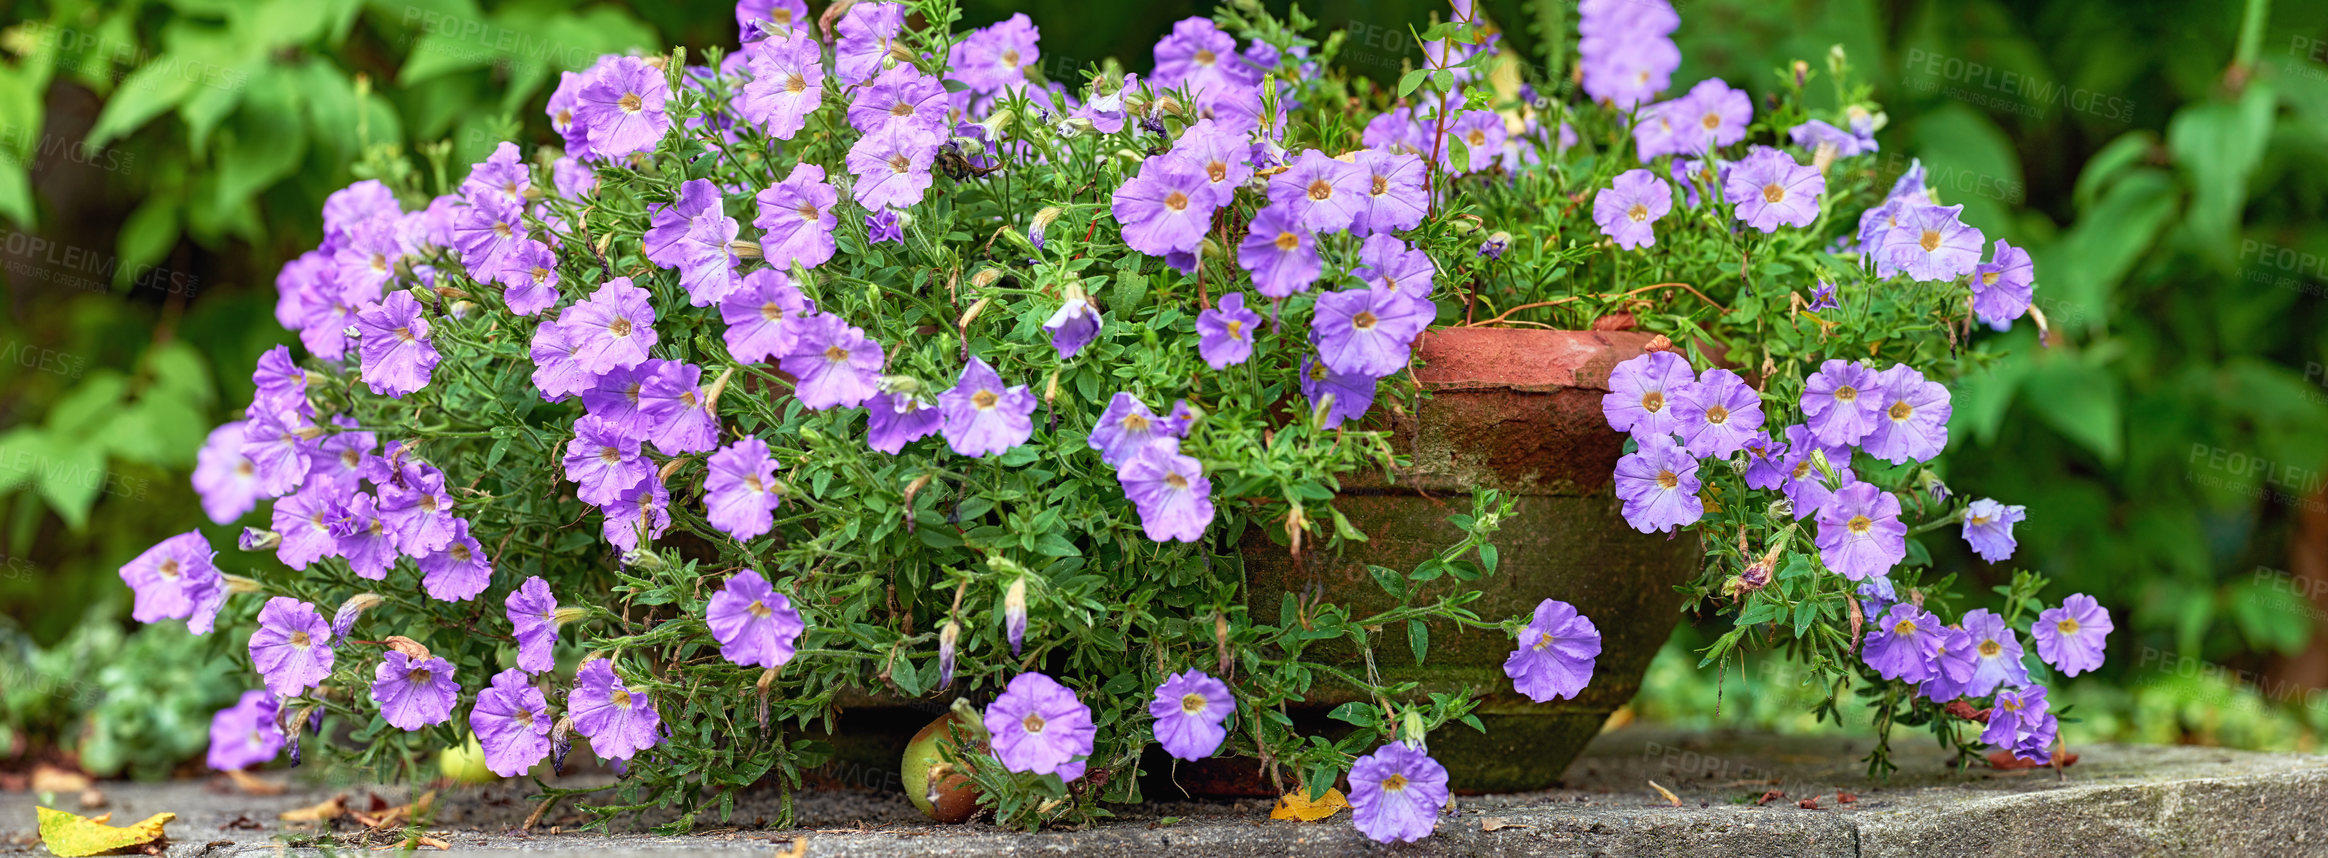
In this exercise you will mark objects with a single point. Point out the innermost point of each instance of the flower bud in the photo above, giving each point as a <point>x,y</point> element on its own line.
<point>745,249</point>
<point>1040,224</point>
<point>985,278</point>
<point>1014,614</point>
<point>1826,469</point>
<point>1802,71</point>
<point>718,386</point>
<point>355,606</point>
<point>1073,126</point>
<point>254,539</point>
<point>1823,157</point>
<point>411,649</point>
<point>240,584</point>
<point>644,559</point>
<point>948,638</point>
<point>1411,730</point>
<point>561,743</point>
<point>567,615</point>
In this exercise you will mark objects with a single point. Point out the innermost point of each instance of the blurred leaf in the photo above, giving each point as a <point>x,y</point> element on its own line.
<point>146,237</point>
<point>2218,145</point>
<point>72,476</point>
<point>266,140</point>
<point>145,94</point>
<point>2079,399</point>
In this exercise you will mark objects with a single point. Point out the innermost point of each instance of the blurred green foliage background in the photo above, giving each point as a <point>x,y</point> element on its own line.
<point>2165,162</point>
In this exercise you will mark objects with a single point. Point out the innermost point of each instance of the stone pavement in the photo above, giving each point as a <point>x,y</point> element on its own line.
<point>2117,800</point>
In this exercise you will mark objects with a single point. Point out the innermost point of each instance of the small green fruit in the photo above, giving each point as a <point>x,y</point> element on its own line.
<point>936,788</point>
<point>466,764</point>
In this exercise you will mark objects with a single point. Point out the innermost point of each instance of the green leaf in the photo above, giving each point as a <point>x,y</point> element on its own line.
<point>1407,82</point>
<point>1344,529</point>
<point>2081,401</point>
<point>155,87</point>
<point>265,141</point>
<point>71,477</point>
<point>146,237</point>
<point>2219,145</point>
<point>1356,714</point>
<point>1418,639</point>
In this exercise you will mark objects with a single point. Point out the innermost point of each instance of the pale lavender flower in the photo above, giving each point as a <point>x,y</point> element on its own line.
<point>1321,194</point>
<point>739,491</point>
<point>2002,287</point>
<point>755,625</point>
<point>394,342</point>
<point>1170,491</point>
<point>620,105</point>
<point>1627,209</point>
<point>892,165</point>
<point>1996,653</point>
<point>2073,637</point>
<point>1225,332</point>
<point>225,478</point>
<point>1641,393</point>
<point>1395,198</point>
<point>512,723</point>
<point>604,461</point>
<point>1988,528</point>
<point>1904,643</point>
<point>1842,402</point>
<point>458,571</point>
<point>613,328</point>
<point>1554,659</point>
<point>677,406</point>
<point>763,316</point>
<point>796,219</point>
<point>291,647</point>
<point>1769,188</point>
<point>1860,533</point>
<point>983,416</point>
<point>176,579</point>
<point>1351,394</point>
<point>787,85</point>
<point>1396,793</point>
<point>868,32</point>
<point>1931,243</point>
<point>414,692</point>
<point>618,721</point>
<point>533,620</point>
<point>897,419</point>
<point>1039,726</point>
<point>1074,326</point>
<point>899,96</point>
<point>1911,417</point>
<point>835,364</point>
<point>1659,485</point>
<point>245,735</point>
<point>1191,709</point>
<point>1368,331</point>
<point>1280,253</point>
<point>1717,415</point>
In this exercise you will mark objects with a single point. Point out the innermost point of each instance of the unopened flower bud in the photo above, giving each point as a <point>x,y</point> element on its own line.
<point>1051,388</point>
<point>1014,614</point>
<point>1802,71</point>
<point>1825,468</point>
<point>561,743</point>
<point>718,386</point>
<point>1823,157</point>
<point>745,249</point>
<point>985,278</point>
<point>562,616</point>
<point>254,539</point>
<point>1073,126</point>
<point>1411,730</point>
<point>240,584</point>
<point>355,606</point>
<point>644,559</point>
<point>1040,224</point>
<point>948,638</point>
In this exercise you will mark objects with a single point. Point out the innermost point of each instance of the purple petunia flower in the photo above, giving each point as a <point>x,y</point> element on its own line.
<point>616,398</point>
<point>641,514</point>
<point>1659,486</point>
<point>763,316</point>
<point>995,58</point>
<point>2017,712</point>
<point>1842,402</point>
<point>512,722</point>
<point>1626,209</point>
<point>275,443</point>
<point>291,647</point>
<point>2035,741</point>
<point>1127,427</point>
<point>1860,533</point>
<point>760,20</point>
<point>2072,637</point>
<point>787,84</point>
<point>176,579</point>
<point>739,491</point>
<point>1717,116</point>
<point>755,625</point>
<point>364,539</point>
<point>1321,194</point>
<point>1481,135</point>
<point>1170,491</point>
<point>572,178</point>
<point>1166,207</point>
<point>1556,651</point>
<point>899,96</point>
<point>1351,393</point>
<point>613,328</point>
<point>1816,133</point>
<point>620,106</point>
<point>533,620</point>
<point>304,520</point>
<point>1988,528</point>
<point>1822,297</point>
<point>1396,793</point>
<point>1190,710</point>
<point>1911,417</point>
<point>1074,326</point>
<point>416,510</point>
<point>1281,255</point>
<point>530,279</point>
<point>868,32</point>
<point>1625,54</point>
<point>884,227</point>
<point>1224,156</point>
<point>458,571</point>
<point>1039,726</point>
<point>1953,662</point>
<point>693,235</point>
<point>897,419</point>
<point>397,353</point>
<point>558,371</point>
<point>1904,643</point>
<point>1641,394</point>
<point>604,461</point>
<point>1996,654</point>
<point>225,478</point>
<point>1395,199</point>
<point>678,409</point>
<point>1931,243</point>
<point>983,417</point>
<point>1770,189</point>
<point>414,692</point>
<point>1765,461</point>
<point>796,219</point>
<point>1225,332</point>
<point>1368,331</point>
<point>2002,286</point>
<point>835,364</point>
<point>619,722</point>
<point>245,735</point>
<point>1718,414</point>
<point>892,166</point>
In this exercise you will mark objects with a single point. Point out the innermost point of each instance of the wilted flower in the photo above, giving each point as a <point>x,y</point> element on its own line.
<point>1014,614</point>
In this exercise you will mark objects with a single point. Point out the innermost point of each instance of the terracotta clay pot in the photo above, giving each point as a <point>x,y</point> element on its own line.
<point>1519,411</point>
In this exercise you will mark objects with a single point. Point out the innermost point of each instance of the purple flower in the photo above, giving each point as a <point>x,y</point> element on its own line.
<point>1641,393</point>
<point>884,227</point>
<point>1717,116</point>
<point>533,621</point>
<point>867,33</point>
<point>224,477</point>
<point>693,235</point>
<point>1769,189</point>
<point>759,20</point>
<point>897,419</point>
<point>1626,209</point>
<point>983,417</point>
<point>530,279</point>
<point>176,580</point>
<point>1988,527</point>
<point>836,366</point>
<point>763,316</point>
<point>995,57</point>
<point>1718,414</point>
<point>787,84</point>
<point>458,571</point>
<point>1911,417</point>
<point>1074,326</point>
<point>900,96</point>
<point>619,722</point>
<point>1812,134</point>
<point>1395,199</point>
<point>416,510</point>
<point>1841,402</point>
<point>755,625</point>
<point>613,328</point>
<point>642,513</point>
<point>245,735</point>
<point>1625,54</point>
<point>1806,489</point>
<point>604,461</point>
<point>739,492</point>
<point>2018,712</point>
<point>1931,243</point>
<point>1197,55</point>
<point>1996,654</point>
<point>2001,287</point>
<point>291,647</point>
<point>1903,644</point>
<point>1039,726</point>
<point>620,106</point>
<point>364,539</point>
<point>1281,255</point>
<point>397,353</point>
<point>1368,331</point>
<point>1953,662</point>
<point>1822,297</point>
<point>557,356</point>
<point>1225,332</point>
<point>367,255</point>
<point>674,401</point>
<point>616,401</point>
<point>1396,793</point>
<point>1127,427</point>
<point>1765,461</point>
<point>275,446</point>
<point>1166,207</point>
<point>1351,393</point>
<point>414,692</point>
<point>1860,533</point>
<point>2035,742</point>
<point>892,166</point>
<point>1320,193</point>
<point>1190,709</point>
<point>2071,637</point>
<point>572,178</point>
<point>1481,133</point>
<point>1659,486</point>
<point>512,723</point>
<point>1170,491</point>
<point>1555,655</point>
<point>796,219</point>
<point>1224,156</point>
<point>304,519</point>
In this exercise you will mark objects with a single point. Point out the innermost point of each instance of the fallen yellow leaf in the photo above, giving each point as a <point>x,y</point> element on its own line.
<point>1296,805</point>
<point>72,836</point>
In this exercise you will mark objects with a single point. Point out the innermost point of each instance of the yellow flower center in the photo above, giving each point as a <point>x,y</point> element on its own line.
<point>1860,524</point>
<point>1772,193</point>
<point>1904,627</point>
<point>1902,410</point>
<point>835,354</point>
<point>620,327</point>
<point>1931,240</point>
<point>1394,783</point>
<point>1989,649</point>
<point>299,639</point>
<point>1321,189</point>
<point>1175,480</point>
<point>1638,213</point>
<point>1176,201</point>
<point>1287,241</point>
<point>758,609</point>
<point>1192,703</point>
<point>1381,185</point>
<point>1717,415</point>
<point>2068,625</point>
<point>1033,723</point>
<point>1846,393</point>
<point>630,102</point>
<point>1653,401</point>
<point>984,399</point>
<point>1668,480</point>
